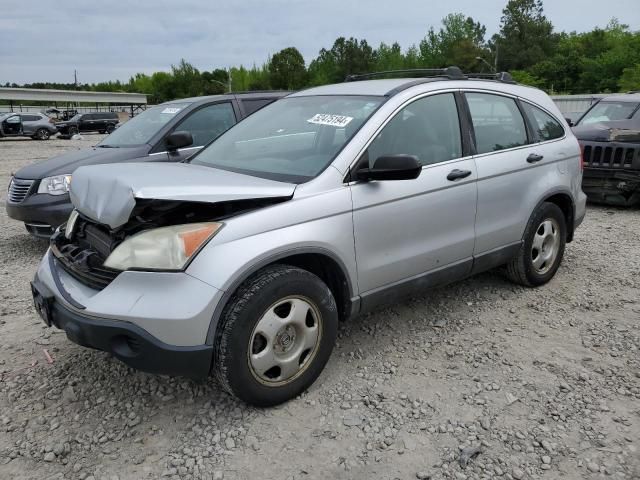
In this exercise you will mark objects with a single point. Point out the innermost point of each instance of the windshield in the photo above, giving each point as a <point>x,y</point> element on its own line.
<point>75,118</point>
<point>141,128</point>
<point>609,111</point>
<point>291,140</point>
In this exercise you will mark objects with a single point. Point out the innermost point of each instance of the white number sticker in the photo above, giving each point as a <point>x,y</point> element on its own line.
<point>171,110</point>
<point>339,121</point>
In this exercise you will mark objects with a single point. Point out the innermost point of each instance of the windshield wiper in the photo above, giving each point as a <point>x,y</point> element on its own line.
<point>107,146</point>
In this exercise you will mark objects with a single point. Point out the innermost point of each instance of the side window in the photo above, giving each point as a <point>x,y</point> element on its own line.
<point>252,105</point>
<point>546,126</point>
<point>497,122</point>
<point>428,128</point>
<point>30,118</point>
<point>208,123</point>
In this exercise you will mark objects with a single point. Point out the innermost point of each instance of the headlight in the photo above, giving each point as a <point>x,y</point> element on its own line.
<point>165,248</point>
<point>57,185</point>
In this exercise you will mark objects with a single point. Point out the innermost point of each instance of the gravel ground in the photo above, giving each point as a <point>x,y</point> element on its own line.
<point>481,379</point>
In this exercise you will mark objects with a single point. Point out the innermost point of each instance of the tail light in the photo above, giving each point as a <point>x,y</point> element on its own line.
<point>51,120</point>
<point>581,157</point>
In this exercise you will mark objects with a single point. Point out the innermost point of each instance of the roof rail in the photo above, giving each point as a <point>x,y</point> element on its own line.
<point>504,77</point>
<point>452,73</point>
<point>631,92</point>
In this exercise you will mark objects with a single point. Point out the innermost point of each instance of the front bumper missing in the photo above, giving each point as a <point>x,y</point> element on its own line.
<point>612,187</point>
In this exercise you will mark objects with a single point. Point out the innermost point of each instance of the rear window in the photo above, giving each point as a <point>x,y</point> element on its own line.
<point>497,122</point>
<point>546,127</point>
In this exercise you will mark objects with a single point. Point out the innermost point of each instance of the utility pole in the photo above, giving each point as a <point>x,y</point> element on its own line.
<point>75,79</point>
<point>229,78</point>
<point>495,62</point>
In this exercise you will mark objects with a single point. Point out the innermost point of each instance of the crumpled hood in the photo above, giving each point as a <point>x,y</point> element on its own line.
<point>618,130</point>
<point>108,193</point>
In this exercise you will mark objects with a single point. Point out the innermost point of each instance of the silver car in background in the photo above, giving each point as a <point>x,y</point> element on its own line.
<point>35,125</point>
<point>321,206</point>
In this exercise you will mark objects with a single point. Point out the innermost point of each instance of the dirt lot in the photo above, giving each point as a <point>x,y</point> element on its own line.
<point>545,382</point>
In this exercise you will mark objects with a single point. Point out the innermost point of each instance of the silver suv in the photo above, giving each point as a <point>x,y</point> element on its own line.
<point>321,206</point>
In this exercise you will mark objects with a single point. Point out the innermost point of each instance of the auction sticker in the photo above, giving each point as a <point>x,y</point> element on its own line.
<point>171,110</point>
<point>339,121</point>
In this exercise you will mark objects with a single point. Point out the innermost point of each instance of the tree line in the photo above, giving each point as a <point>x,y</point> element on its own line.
<point>527,46</point>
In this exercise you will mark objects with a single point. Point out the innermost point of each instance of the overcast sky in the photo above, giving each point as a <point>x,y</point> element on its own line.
<point>47,40</point>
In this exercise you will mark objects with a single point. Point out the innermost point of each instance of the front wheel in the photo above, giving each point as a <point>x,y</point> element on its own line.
<point>42,134</point>
<point>275,336</point>
<point>542,248</point>
<point>73,131</point>
<point>110,128</point>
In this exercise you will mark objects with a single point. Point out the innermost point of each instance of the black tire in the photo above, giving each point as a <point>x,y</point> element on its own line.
<point>110,128</point>
<point>42,134</point>
<point>521,268</point>
<point>73,131</point>
<point>239,319</point>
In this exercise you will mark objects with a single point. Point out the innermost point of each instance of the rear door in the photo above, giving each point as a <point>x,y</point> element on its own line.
<point>205,125</point>
<point>510,168</point>
<point>406,229</point>
<point>29,123</point>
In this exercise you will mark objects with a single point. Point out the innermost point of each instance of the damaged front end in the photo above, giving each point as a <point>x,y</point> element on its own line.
<point>151,217</point>
<point>82,251</point>
<point>611,164</point>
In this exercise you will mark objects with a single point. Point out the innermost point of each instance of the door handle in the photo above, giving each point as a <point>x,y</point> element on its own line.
<point>534,157</point>
<point>458,174</point>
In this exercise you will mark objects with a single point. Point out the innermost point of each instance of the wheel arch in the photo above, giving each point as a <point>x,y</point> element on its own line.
<point>564,201</point>
<point>319,261</point>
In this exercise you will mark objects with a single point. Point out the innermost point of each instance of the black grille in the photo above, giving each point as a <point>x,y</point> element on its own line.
<point>611,155</point>
<point>19,189</point>
<point>83,256</point>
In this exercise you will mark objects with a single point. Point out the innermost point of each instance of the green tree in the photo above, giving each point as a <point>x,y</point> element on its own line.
<point>215,82</point>
<point>526,36</point>
<point>346,57</point>
<point>630,79</point>
<point>459,42</point>
<point>187,80</point>
<point>288,70</point>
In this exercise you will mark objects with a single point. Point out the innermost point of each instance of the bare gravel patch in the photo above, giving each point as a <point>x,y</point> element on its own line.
<point>481,379</point>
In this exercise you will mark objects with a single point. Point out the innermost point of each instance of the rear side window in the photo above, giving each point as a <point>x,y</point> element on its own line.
<point>251,106</point>
<point>208,123</point>
<point>546,127</point>
<point>30,118</point>
<point>428,128</point>
<point>497,122</point>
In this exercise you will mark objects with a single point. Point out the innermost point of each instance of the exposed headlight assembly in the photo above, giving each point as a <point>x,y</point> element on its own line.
<point>164,248</point>
<point>58,185</point>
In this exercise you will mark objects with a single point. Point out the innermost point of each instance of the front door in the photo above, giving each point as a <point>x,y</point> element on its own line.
<point>407,229</point>
<point>12,126</point>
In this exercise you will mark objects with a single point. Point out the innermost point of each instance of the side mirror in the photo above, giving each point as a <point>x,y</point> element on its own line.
<point>392,167</point>
<point>177,140</point>
<point>569,121</point>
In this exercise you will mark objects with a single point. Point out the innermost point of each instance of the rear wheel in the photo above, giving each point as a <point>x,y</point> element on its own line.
<point>42,134</point>
<point>275,336</point>
<point>542,249</point>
